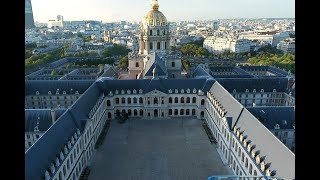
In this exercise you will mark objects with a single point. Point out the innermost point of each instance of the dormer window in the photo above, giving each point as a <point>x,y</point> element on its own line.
<point>176,91</point>
<point>64,92</point>
<point>37,93</point>
<point>76,92</point>
<point>128,91</point>
<point>262,166</point>
<point>253,153</point>
<point>234,91</point>
<point>182,91</point>
<point>194,90</point>
<point>241,137</point>
<point>268,172</point>
<point>49,92</point>
<point>140,91</point>
<point>274,90</point>
<point>247,90</point>
<point>122,91</point>
<point>262,90</point>
<point>277,126</point>
<point>254,90</point>
<point>134,91</point>
<point>117,92</point>
<point>258,159</point>
<point>110,93</point>
<point>170,91</point>
<point>249,147</point>
<point>188,90</point>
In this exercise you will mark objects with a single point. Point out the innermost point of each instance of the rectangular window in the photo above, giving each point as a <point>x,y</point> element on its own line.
<point>151,46</point>
<point>158,45</point>
<point>165,45</point>
<point>284,141</point>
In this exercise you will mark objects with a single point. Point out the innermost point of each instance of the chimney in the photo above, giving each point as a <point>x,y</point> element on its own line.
<point>53,115</point>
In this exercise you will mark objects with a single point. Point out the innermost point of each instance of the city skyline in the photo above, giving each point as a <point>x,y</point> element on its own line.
<point>113,11</point>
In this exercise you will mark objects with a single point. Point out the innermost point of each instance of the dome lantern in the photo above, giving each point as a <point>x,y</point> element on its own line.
<point>154,5</point>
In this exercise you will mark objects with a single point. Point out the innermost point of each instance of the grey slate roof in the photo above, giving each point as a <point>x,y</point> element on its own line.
<point>281,158</point>
<point>278,72</point>
<point>109,72</point>
<point>229,103</point>
<point>43,86</point>
<point>47,148</point>
<point>41,154</point>
<point>235,70</point>
<point>81,108</point>
<point>45,119</point>
<point>269,116</point>
<point>199,72</point>
<point>268,84</point>
<point>155,62</point>
<point>148,85</point>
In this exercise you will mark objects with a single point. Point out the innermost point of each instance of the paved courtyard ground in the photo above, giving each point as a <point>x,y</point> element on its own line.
<point>166,149</point>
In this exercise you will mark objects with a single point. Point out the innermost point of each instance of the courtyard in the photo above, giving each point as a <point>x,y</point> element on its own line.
<point>156,149</point>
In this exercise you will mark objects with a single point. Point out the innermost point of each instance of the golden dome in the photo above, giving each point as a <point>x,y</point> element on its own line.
<point>154,17</point>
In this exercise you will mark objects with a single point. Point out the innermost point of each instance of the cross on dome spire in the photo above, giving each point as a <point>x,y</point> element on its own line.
<point>154,5</point>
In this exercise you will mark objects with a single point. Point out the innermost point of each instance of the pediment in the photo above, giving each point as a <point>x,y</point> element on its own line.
<point>156,93</point>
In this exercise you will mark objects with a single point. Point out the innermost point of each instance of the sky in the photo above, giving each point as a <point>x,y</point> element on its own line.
<point>174,10</point>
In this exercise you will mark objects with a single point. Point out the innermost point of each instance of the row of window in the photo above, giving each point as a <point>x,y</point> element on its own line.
<point>54,97</point>
<point>28,136</point>
<point>158,32</point>
<point>50,102</point>
<point>158,45</point>
<point>155,100</point>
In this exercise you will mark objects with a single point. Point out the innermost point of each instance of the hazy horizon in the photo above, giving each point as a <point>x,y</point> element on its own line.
<point>187,10</point>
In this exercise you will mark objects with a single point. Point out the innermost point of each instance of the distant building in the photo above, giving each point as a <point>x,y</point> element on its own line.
<point>29,21</point>
<point>220,45</point>
<point>55,24</point>
<point>215,25</point>
<point>259,36</point>
<point>287,45</point>
<point>240,46</point>
<point>59,18</point>
<point>279,37</point>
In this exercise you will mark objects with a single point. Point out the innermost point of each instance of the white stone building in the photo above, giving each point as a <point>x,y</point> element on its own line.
<point>287,45</point>
<point>241,137</point>
<point>220,45</point>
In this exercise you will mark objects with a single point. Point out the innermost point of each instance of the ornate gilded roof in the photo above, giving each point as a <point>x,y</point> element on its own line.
<point>154,17</point>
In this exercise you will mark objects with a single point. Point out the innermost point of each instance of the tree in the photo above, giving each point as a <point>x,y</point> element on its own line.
<point>186,63</point>
<point>54,72</point>
<point>116,50</point>
<point>202,52</point>
<point>123,63</point>
<point>109,61</point>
